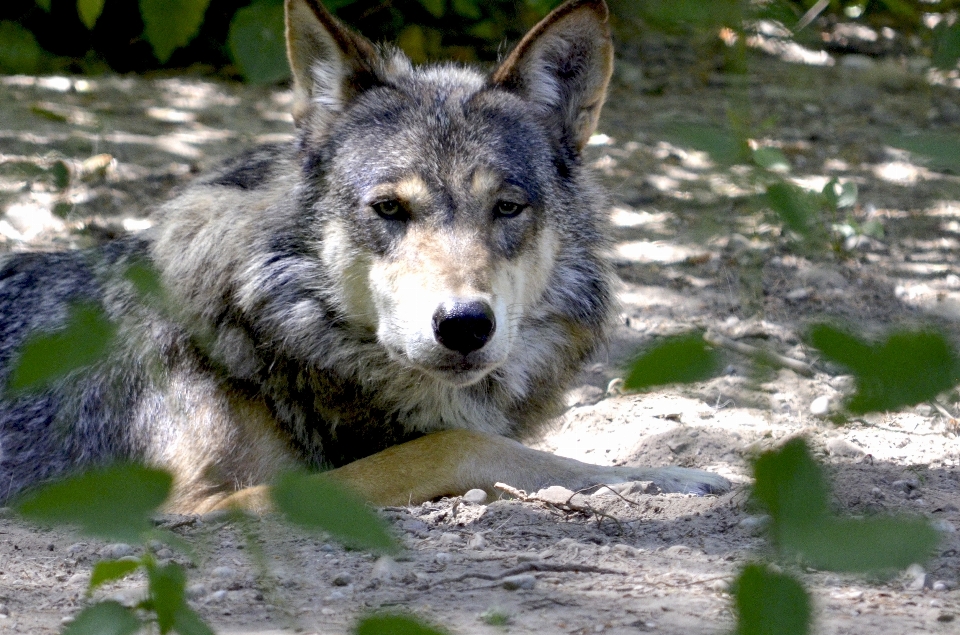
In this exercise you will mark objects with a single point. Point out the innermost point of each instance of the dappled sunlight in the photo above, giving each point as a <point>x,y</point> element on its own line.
<point>88,155</point>
<point>657,251</point>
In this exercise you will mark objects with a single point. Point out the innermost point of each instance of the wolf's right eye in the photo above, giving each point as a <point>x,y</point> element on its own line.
<point>389,209</point>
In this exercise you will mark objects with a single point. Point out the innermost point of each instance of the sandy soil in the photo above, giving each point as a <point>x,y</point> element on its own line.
<point>82,160</point>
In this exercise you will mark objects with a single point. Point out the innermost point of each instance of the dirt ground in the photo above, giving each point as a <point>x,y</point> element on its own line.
<point>82,160</point>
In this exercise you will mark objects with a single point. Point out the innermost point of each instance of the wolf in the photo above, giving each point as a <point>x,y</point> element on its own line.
<point>394,297</point>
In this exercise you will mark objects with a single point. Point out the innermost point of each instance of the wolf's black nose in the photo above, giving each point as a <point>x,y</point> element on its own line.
<point>464,326</point>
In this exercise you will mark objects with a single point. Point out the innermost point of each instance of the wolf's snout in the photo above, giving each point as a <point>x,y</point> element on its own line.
<point>464,326</point>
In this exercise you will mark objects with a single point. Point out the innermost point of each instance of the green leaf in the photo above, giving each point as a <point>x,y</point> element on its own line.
<point>901,8</point>
<point>671,14</point>
<point>905,369</point>
<point>45,358</point>
<point>847,197</point>
<point>861,545</point>
<point>467,8</point>
<point>436,8</point>
<point>721,144</point>
<point>541,7</point>
<point>19,51</point>
<point>680,359</point>
<point>317,502</point>
<point>44,4</point>
<point>797,208</point>
<point>946,50</point>
<point>113,503</point>
<point>771,159</point>
<point>394,625</point>
<point>89,11</point>
<point>770,603</point>
<point>145,279</point>
<point>257,45</point>
<point>187,622</point>
<point>170,24</point>
<point>104,618</point>
<point>940,150</point>
<point>167,585</point>
<point>791,486</point>
<point>110,570</point>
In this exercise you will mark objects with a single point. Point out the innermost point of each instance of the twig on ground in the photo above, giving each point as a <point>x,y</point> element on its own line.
<point>568,503</point>
<point>768,357</point>
<point>527,567</point>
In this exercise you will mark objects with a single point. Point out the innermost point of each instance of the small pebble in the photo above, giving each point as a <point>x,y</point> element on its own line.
<point>677,549</point>
<point>76,549</point>
<point>443,558</point>
<point>919,579</point>
<point>342,579</point>
<point>164,553</point>
<point>223,573</point>
<point>385,568</point>
<point>327,611</point>
<point>78,578</point>
<point>906,484</point>
<point>554,495</point>
<point>923,409</point>
<point>843,383</point>
<point>842,447</point>
<point>944,526</point>
<point>217,596</point>
<point>477,542</point>
<point>117,551</point>
<point>941,585</point>
<point>449,538</point>
<point>720,586</point>
<point>626,550</point>
<point>820,407</point>
<point>475,496</point>
<point>755,524</point>
<point>521,581</point>
<point>327,547</point>
<point>4,610</point>
<point>414,526</point>
<point>196,590</point>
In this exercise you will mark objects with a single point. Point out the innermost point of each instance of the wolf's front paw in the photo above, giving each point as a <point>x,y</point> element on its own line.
<point>684,480</point>
<point>671,480</point>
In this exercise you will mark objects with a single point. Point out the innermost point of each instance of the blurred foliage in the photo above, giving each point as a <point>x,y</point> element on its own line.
<point>791,487</point>
<point>907,368</point>
<point>680,359</point>
<point>771,603</point>
<point>112,503</point>
<point>47,357</point>
<point>387,624</point>
<point>316,503</point>
<point>245,37</point>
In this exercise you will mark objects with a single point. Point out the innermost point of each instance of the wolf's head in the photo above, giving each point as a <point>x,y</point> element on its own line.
<point>445,200</point>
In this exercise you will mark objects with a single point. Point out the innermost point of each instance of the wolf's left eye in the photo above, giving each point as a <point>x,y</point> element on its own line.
<point>508,209</point>
<point>390,209</point>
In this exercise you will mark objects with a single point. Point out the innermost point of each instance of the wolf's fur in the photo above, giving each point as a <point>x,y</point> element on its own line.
<point>426,257</point>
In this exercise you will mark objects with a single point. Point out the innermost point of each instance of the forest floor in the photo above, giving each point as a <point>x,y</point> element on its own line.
<point>83,160</point>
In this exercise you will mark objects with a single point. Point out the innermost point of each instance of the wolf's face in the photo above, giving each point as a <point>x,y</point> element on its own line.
<point>441,189</point>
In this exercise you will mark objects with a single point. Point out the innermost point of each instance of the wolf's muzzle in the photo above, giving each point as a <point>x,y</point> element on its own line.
<point>464,326</point>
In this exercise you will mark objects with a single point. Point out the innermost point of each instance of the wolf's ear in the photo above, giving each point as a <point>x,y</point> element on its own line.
<point>564,65</point>
<point>330,63</point>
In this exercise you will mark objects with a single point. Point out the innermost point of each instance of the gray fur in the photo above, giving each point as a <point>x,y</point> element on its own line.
<point>256,321</point>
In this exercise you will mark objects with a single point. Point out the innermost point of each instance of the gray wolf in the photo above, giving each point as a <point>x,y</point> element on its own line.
<point>398,294</point>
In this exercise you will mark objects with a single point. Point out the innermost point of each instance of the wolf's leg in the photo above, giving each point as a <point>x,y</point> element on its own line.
<point>450,463</point>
